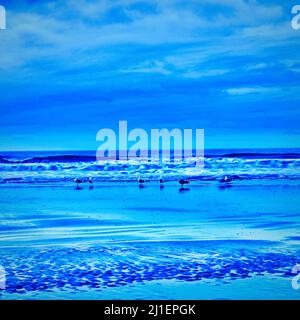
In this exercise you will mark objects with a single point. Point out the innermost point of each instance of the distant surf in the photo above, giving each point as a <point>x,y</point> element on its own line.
<point>31,167</point>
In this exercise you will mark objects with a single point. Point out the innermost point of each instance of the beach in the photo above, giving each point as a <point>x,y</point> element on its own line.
<point>117,240</point>
<point>150,150</point>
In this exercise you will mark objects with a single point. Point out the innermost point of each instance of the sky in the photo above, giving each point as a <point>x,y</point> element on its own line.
<point>69,68</point>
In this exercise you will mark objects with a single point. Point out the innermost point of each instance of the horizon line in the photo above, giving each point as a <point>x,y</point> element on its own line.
<point>90,150</point>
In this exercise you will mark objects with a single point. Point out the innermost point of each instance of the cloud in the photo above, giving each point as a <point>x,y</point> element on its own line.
<point>257,66</point>
<point>69,29</point>
<point>153,66</point>
<point>205,73</point>
<point>79,61</point>
<point>245,90</point>
<point>291,91</point>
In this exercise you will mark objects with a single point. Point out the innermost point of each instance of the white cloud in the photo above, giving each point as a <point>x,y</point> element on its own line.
<point>154,66</point>
<point>76,33</point>
<point>290,91</point>
<point>257,66</point>
<point>205,73</point>
<point>250,90</point>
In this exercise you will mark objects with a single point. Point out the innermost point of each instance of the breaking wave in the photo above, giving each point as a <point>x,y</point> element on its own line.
<point>18,168</point>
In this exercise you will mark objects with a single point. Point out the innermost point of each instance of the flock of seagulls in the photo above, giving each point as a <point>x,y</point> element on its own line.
<point>79,181</point>
<point>181,181</point>
<point>226,180</point>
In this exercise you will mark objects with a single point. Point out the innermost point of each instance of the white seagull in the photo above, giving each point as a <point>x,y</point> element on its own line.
<point>226,179</point>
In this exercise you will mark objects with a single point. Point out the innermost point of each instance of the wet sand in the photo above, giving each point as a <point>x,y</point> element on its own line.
<point>118,240</point>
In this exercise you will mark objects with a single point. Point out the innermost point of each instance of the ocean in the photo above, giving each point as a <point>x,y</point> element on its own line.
<point>116,239</point>
<point>64,166</point>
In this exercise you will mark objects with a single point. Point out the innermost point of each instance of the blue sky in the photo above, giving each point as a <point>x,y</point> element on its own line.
<point>70,68</point>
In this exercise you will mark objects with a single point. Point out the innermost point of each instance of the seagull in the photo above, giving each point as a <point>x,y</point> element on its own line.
<point>226,179</point>
<point>140,180</point>
<point>78,181</point>
<point>161,182</point>
<point>183,181</point>
<point>91,183</point>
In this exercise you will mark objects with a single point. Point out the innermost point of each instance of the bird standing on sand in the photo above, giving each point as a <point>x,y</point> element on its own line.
<point>226,179</point>
<point>91,183</point>
<point>77,181</point>
<point>183,181</point>
<point>161,182</point>
<point>140,180</point>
